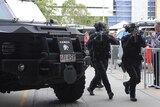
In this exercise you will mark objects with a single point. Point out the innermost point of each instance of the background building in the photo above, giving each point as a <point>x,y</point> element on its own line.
<point>122,10</point>
<point>157,10</point>
<point>133,11</point>
<point>152,9</point>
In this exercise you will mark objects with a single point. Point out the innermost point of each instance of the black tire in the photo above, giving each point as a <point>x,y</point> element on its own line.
<point>70,92</point>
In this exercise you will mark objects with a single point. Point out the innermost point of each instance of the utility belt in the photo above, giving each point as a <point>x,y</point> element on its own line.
<point>101,55</point>
<point>133,59</point>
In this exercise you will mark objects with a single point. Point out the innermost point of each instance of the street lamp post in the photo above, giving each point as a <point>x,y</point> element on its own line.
<point>103,9</point>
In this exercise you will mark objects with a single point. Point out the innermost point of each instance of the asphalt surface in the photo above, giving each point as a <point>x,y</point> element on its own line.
<point>45,97</point>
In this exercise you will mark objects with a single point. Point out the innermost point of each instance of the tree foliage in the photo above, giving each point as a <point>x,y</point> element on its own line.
<point>71,11</point>
<point>48,8</point>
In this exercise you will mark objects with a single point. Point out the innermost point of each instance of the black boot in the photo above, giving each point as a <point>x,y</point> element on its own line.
<point>111,94</point>
<point>90,91</point>
<point>133,98</point>
<point>99,85</point>
<point>132,93</point>
<point>126,85</point>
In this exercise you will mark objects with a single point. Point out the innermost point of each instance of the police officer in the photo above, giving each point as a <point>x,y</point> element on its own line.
<point>100,42</point>
<point>99,84</point>
<point>132,58</point>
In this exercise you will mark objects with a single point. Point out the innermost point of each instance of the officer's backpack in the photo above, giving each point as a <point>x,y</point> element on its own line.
<point>101,47</point>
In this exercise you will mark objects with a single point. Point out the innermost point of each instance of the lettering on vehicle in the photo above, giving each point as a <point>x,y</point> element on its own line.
<point>62,42</point>
<point>67,57</point>
<point>8,48</point>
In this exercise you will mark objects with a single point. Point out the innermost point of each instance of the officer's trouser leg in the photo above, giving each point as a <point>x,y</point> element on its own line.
<point>134,73</point>
<point>95,81</point>
<point>96,73</point>
<point>102,67</point>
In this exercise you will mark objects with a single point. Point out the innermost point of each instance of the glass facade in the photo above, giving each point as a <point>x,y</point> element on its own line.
<point>151,9</point>
<point>123,11</point>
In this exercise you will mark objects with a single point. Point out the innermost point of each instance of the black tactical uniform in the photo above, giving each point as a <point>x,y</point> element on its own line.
<point>99,84</point>
<point>131,59</point>
<point>100,42</point>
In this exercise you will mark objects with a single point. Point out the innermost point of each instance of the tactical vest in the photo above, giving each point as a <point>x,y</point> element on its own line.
<point>131,49</point>
<point>101,47</point>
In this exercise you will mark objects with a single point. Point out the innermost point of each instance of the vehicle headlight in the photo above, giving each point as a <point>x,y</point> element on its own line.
<point>21,67</point>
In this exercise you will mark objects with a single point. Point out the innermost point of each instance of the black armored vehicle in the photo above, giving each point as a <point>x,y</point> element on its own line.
<point>35,54</point>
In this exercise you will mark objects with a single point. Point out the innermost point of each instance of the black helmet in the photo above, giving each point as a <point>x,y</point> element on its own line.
<point>130,27</point>
<point>100,26</point>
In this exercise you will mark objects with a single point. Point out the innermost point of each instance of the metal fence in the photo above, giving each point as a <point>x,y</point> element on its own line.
<point>150,74</point>
<point>151,78</point>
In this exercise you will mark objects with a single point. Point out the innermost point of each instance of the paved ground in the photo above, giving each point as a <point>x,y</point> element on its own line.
<point>146,97</point>
<point>149,97</point>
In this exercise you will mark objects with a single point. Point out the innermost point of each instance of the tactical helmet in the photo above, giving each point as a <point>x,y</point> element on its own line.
<point>99,26</point>
<point>130,27</point>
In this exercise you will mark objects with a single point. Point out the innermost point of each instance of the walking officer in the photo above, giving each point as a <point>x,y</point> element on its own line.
<point>99,84</point>
<point>132,58</point>
<point>100,43</point>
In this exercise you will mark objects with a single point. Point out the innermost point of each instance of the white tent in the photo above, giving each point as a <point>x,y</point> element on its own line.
<point>118,25</point>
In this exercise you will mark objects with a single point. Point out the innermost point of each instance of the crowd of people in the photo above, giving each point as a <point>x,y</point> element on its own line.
<point>99,44</point>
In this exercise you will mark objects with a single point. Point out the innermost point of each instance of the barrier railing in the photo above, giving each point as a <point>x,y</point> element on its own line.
<point>151,70</point>
<point>150,74</point>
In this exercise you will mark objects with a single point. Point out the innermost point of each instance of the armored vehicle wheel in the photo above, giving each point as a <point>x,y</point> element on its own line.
<point>70,92</point>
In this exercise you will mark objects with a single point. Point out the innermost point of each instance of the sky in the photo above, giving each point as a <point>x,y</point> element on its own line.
<point>108,4</point>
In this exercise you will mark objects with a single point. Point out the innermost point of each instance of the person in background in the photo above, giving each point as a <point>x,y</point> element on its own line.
<point>114,52</point>
<point>149,56</point>
<point>148,51</point>
<point>155,36</point>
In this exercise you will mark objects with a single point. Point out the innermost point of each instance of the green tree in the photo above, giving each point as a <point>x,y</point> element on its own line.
<point>48,8</point>
<point>74,13</point>
<point>70,10</point>
<point>78,14</point>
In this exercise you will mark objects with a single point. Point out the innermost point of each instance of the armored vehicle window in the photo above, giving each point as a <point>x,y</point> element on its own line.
<point>4,13</point>
<point>21,10</point>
